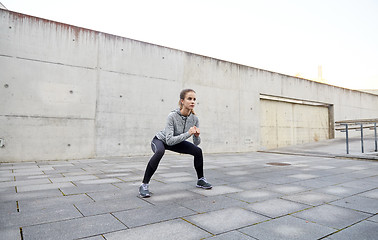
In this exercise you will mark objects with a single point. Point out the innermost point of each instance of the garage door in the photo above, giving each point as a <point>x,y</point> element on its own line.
<point>287,123</point>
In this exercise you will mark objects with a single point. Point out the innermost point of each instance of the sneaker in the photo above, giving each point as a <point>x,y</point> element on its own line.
<point>203,183</point>
<point>143,191</point>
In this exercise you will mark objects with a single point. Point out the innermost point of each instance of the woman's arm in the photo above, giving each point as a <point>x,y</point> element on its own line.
<point>196,136</point>
<point>169,130</point>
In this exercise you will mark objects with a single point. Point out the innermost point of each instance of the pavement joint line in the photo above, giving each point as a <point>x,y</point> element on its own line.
<point>120,220</point>
<point>62,192</point>
<point>89,197</point>
<point>298,154</point>
<point>307,221</point>
<point>212,234</point>
<point>249,225</point>
<point>21,234</point>
<point>98,235</point>
<point>116,185</point>
<point>78,210</point>
<point>119,179</point>
<point>261,213</point>
<point>341,229</point>
<point>56,221</point>
<point>356,210</point>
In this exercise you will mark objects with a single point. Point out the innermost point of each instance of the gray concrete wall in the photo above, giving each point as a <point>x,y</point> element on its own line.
<point>68,92</point>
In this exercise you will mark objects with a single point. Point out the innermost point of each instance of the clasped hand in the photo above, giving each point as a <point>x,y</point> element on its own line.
<point>194,130</point>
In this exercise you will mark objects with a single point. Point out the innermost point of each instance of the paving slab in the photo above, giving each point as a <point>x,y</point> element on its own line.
<point>274,208</point>
<point>22,219</point>
<point>110,206</point>
<point>74,228</point>
<point>161,187</point>
<point>4,178</point>
<point>31,205</point>
<point>97,181</point>
<point>251,196</point>
<point>373,218</point>
<point>180,179</point>
<point>287,227</point>
<point>216,190</point>
<point>30,195</point>
<point>40,187</point>
<point>167,197</point>
<point>303,176</point>
<point>72,178</point>
<point>8,207</point>
<point>359,203</point>
<point>365,230</point>
<point>88,188</point>
<point>10,233</point>
<point>315,183</point>
<point>311,198</point>
<point>339,191</point>
<point>174,174</point>
<point>252,184</point>
<point>362,184</point>
<point>370,194</point>
<point>287,188</point>
<point>152,214</point>
<point>276,179</point>
<point>113,175</point>
<point>233,235</point>
<point>113,194</point>
<point>225,220</point>
<point>24,183</point>
<point>212,203</point>
<point>332,216</point>
<point>174,229</point>
<point>7,190</point>
<point>42,176</point>
<point>99,237</point>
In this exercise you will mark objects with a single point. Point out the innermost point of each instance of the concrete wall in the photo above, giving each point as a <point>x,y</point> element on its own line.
<point>68,92</point>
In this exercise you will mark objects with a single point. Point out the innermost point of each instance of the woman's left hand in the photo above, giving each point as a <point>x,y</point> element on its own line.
<point>197,133</point>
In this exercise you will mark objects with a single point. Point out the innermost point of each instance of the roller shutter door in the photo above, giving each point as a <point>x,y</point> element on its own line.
<point>285,123</point>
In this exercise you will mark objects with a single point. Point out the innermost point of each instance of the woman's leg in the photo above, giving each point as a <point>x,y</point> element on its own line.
<point>159,149</point>
<point>189,148</point>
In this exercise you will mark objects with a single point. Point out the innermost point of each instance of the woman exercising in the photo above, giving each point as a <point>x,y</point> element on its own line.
<point>182,123</point>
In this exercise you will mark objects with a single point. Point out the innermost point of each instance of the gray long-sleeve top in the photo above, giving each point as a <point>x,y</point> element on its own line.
<point>177,127</point>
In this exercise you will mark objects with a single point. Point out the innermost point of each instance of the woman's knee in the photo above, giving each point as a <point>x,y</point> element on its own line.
<point>157,148</point>
<point>159,152</point>
<point>197,151</point>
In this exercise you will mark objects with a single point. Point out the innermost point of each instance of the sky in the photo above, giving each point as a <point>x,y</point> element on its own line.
<point>292,37</point>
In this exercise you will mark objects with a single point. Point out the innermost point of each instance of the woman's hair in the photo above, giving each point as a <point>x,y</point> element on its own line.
<point>182,97</point>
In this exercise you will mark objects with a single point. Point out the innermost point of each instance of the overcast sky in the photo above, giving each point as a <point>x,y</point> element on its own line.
<point>291,37</point>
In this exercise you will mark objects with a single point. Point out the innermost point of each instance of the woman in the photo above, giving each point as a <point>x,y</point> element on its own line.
<point>182,123</point>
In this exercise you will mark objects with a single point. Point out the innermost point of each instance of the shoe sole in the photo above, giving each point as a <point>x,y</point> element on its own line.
<point>204,187</point>
<point>146,196</point>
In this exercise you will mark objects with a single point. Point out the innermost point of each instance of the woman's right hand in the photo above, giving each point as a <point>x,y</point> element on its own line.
<point>192,130</point>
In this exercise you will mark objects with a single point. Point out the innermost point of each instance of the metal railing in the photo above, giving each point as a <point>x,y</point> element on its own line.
<point>357,125</point>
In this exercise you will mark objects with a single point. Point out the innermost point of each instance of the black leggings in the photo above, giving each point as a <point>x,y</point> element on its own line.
<point>158,147</point>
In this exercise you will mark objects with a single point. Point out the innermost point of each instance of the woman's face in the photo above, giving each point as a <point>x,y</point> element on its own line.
<point>189,101</point>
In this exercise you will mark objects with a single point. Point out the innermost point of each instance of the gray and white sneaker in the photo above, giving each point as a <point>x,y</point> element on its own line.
<point>203,183</point>
<point>143,191</point>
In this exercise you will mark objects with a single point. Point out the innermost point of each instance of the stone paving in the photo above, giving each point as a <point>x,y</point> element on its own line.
<point>308,198</point>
